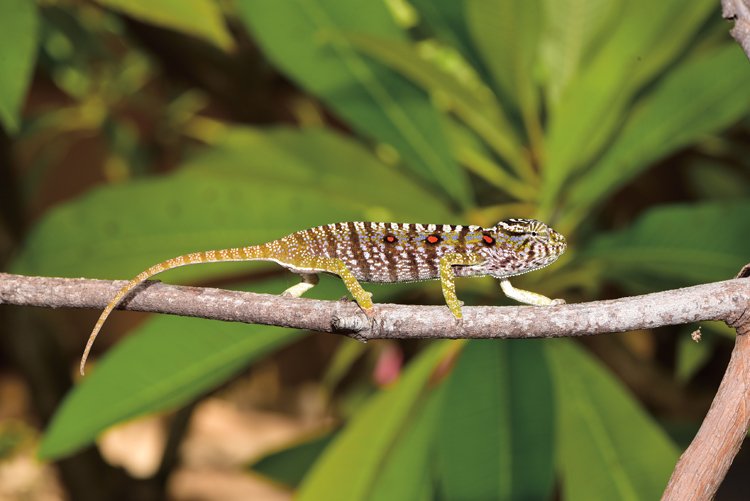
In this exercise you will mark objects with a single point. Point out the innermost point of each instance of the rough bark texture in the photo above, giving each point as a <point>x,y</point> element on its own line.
<point>715,301</point>
<point>739,12</point>
<point>700,469</point>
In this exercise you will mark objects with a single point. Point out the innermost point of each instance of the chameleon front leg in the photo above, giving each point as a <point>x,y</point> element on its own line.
<point>309,280</point>
<point>338,267</point>
<point>528,297</point>
<point>448,278</point>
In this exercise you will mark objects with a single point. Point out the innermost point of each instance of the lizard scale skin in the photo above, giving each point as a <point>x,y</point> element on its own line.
<point>389,252</point>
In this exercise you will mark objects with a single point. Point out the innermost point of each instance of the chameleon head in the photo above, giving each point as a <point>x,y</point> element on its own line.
<point>525,245</point>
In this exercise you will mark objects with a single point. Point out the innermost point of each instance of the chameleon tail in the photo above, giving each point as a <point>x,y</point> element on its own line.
<point>235,254</point>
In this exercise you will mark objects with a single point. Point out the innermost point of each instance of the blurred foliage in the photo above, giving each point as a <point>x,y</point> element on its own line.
<point>152,129</point>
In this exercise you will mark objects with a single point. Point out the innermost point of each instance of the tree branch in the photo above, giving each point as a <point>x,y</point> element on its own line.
<point>715,301</point>
<point>698,473</point>
<point>739,12</point>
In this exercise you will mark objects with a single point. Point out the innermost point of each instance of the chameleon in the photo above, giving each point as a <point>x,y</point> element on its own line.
<point>387,253</point>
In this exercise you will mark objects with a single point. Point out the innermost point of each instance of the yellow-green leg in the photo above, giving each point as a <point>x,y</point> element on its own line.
<point>528,297</point>
<point>448,278</point>
<point>338,267</point>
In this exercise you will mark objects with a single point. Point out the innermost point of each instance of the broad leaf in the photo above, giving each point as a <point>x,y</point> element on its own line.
<point>250,188</point>
<point>699,97</point>
<point>608,447</point>
<point>367,444</point>
<point>474,104</point>
<point>572,32</point>
<point>679,245</point>
<point>446,20</point>
<point>497,419</point>
<point>305,39</point>
<point>289,466</point>
<point>18,39</point>
<point>597,99</point>
<point>167,363</point>
<point>507,34</point>
<point>200,18</point>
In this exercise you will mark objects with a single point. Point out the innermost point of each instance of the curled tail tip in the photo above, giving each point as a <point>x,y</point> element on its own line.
<point>84,358</point>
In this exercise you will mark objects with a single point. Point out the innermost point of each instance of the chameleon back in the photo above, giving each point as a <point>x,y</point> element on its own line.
<point>396,252</point>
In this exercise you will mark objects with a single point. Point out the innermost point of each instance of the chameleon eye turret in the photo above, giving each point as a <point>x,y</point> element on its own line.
<point>388,252</point>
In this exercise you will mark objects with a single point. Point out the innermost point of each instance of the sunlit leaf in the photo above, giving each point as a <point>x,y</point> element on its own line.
<point>474,105</point>
<point>598,97</point>
<point>446,20</point>
<point>200,18</point>
<point>305,39</point>
<point>572,32</point>
<point>364,446</point>
<point>252,187</point>
<point>507,33</point>
<point>699,97</point>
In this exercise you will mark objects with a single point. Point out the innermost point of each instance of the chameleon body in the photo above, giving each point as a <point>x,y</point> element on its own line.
<point>389,252</point>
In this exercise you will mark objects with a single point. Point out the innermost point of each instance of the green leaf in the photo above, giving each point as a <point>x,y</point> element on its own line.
<point>573,31</point>
<point>167,363</point>
<point>446,20</point>
<point>680,245</point>
<point>366,445</point>
<point>699,97</point>
<point>608,447</point>
<point>407,471</point>
<point>715,179</point>
<point>305,39</point>
<point>507,33</point>
<point>252,187</point>
<point>18,40</point>
<point>474,104</point>
<point>597,99</point>
<point>289,466</point>
<point>497,419</point>
<point>199,18</point>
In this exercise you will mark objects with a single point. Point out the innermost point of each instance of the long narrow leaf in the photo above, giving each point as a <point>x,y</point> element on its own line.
<point>18,32</point>
<point>169,362</point>
<point>497,419</point>
<point>305,39</point>
<point>699,97</point>
<point>596,102</point>
<point>475,106</point>
<point>609,448</point>
<point>362,449</point>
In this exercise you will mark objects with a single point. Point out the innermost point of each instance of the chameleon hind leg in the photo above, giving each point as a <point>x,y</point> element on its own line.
<point>309,280</point>
<point>338,267</point>
<point>448,278</point>
<point>528,297</point>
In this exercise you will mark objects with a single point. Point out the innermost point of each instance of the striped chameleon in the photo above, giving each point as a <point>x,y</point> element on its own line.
<point>389,252</point>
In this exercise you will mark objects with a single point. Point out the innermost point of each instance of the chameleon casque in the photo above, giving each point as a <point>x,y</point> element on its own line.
<point>389,252</point>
